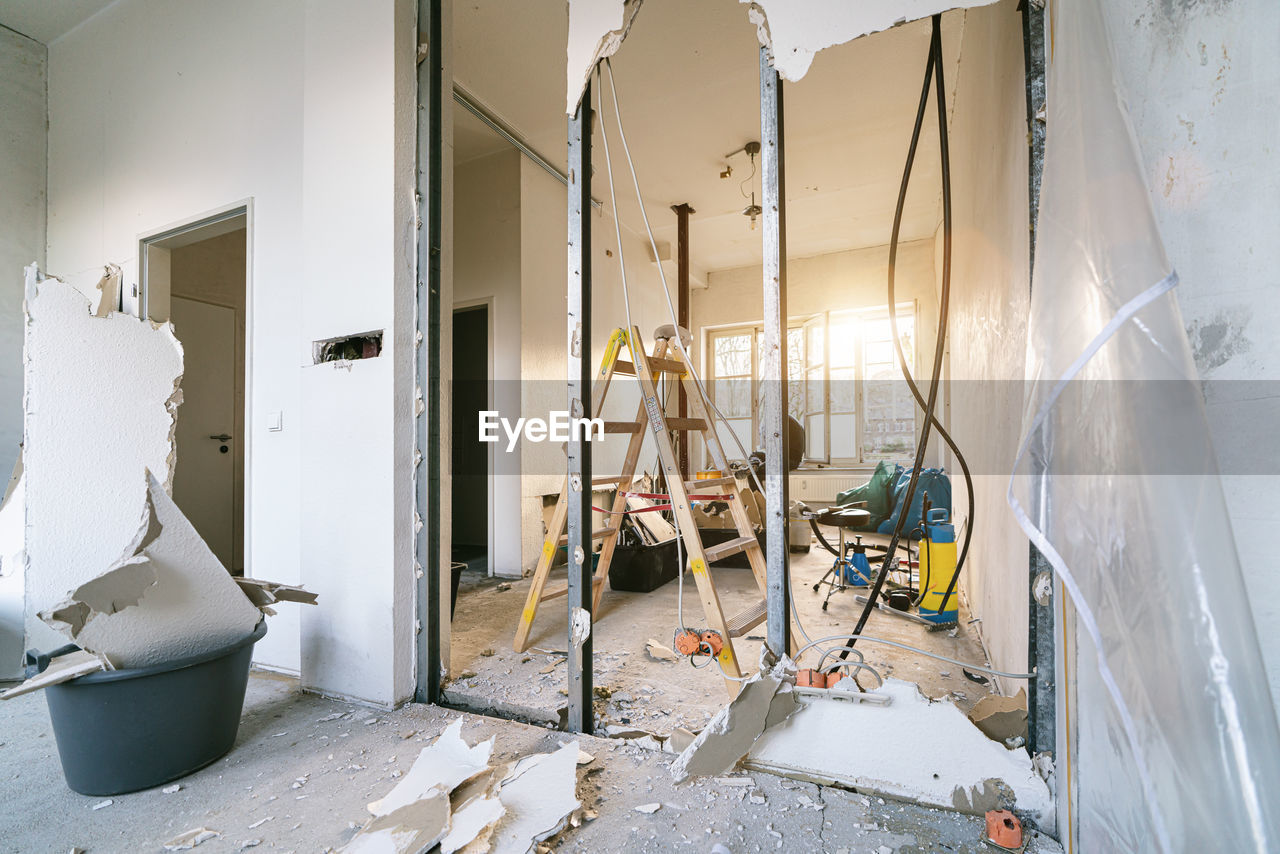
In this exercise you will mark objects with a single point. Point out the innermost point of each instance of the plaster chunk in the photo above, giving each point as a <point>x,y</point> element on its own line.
<point>795,30</point>
<point>538,796</point>
<point>445,764</point>
<point>167,597</point>
<point>596,30</point>
<point>408,829</point>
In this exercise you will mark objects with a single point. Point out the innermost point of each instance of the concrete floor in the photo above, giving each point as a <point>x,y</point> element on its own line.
<point>487,676</point>
<point>340,763</point>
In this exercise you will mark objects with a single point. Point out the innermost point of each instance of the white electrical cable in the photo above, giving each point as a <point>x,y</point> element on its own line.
<point>836,650</point>
<point>626,304</point>
<point>671,310</point>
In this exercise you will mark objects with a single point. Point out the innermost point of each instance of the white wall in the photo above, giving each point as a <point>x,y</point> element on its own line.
<point>23,144</point>
<point>990,297</point>
<point>1200,78</point>
<point>487,265</point>
<point>161,111</point>
<point>544,331</point>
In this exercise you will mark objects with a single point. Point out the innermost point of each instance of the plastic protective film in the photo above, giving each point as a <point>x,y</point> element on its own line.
<point>1172,737</point>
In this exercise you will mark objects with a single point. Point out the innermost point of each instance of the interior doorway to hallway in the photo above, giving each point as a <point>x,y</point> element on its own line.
<point>471,498</point>
<point>196,277</point>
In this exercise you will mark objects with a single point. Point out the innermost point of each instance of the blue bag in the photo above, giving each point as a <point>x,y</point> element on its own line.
<point>932,482</point>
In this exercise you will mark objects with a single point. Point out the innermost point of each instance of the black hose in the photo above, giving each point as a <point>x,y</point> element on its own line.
<point>933,73</point>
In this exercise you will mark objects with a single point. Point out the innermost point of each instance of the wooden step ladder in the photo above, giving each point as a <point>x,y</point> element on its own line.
<point>650,417</point>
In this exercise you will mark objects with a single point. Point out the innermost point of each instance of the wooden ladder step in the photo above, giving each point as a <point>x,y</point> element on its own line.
<point>597,534</point>
<point>747,619</point>
<point>667,366</point>
<point>564,591</point>
<point>729,547</point>
<point>600,480</point>
<point>701,486</point>
<point>687,424</point>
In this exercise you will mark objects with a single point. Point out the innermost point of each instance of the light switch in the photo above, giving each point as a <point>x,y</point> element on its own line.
<point>275,421</point>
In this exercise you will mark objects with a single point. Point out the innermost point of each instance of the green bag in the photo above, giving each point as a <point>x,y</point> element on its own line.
<point>877,493</point>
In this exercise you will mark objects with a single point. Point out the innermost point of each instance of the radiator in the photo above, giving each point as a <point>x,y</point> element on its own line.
<point>816,487</point>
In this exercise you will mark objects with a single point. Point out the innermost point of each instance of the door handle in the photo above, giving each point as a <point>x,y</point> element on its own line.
<point>221,437</point>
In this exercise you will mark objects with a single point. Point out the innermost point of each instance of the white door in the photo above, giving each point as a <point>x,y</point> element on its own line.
<point>204,479</point>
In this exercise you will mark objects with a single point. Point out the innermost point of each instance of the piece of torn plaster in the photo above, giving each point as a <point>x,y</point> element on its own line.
<point>264,593</point>
<point>190,839</point>
<point>62,669</point>
<point>471,821</point>
<point>100,403</point>
<point>764,699</point>
<point>167,597</point>
<point>538,796</point>
<point>108,289</point>
<point>795,30</point>
<point>951,763</point>
<point>443,765</point>
<point>409,829</point>
<point>596,30</point>
<point>1001,718</point>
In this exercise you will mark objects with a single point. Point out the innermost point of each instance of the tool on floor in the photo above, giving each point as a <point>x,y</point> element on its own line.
<point>720,630</point>
<point>1004,831</point>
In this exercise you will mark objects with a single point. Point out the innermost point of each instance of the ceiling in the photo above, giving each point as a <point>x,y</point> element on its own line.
<point>688,83</point>
<point>46,20</point>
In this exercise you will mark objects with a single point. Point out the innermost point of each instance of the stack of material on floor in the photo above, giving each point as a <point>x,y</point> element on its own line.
<point>453,797</point>
<point>901,746</point>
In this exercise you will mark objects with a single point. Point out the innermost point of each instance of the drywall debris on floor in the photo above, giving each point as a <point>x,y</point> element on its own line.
<point>445,764</point>
<point>795,30</point>
<point>100,402</point>
<point>596,30</point>
<point>766,699</point>
<point>167,597</point>
<point>190,839</point>
<point>538,795</point>
<point>947,762</point>
<point>453,797</point>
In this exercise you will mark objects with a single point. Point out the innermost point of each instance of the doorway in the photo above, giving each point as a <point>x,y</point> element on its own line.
<point>470,455</point>
<point>196,277</point>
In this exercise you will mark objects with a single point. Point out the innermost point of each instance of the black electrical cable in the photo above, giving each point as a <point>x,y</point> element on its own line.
<point>934,74</point>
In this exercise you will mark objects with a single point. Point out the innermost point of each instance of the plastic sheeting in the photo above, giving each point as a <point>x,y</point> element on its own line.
<point>1175,744</point>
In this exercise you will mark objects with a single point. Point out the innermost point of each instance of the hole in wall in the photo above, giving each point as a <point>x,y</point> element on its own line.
<point>366,345</point>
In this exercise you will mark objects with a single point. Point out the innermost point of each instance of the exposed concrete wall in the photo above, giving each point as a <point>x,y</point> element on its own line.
<point>159,112</point>
<point>1200,77</point>
<point>23,146</point>
<point>487,265</point>
<point>990,297</point>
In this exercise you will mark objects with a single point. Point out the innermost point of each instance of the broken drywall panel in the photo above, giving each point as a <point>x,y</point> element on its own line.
<point>99,411</point>
<point>950,764</point>
<point>264,594</point>
<point>445,764</point>
<point>471,821</point>
<point>167,597</point>
<point>596,30</point>
<point>409,829</point>
<point>62,669</point>
<point>12,576</point>
<point>108,289</point>
<point>1001,718</point>
<point>795,30</point>
<point>764,698</point>
<point>538,796</point>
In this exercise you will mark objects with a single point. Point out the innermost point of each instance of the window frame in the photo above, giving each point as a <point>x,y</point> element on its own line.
<point>804,324</point>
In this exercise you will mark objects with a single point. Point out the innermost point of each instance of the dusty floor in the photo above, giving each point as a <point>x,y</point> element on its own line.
<point>340,756</point>
<point>660,695</point>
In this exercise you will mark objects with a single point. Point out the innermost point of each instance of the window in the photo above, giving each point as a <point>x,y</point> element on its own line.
<point>844,385</point>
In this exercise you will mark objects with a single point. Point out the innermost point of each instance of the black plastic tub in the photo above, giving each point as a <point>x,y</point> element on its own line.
<point>123,730</point>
